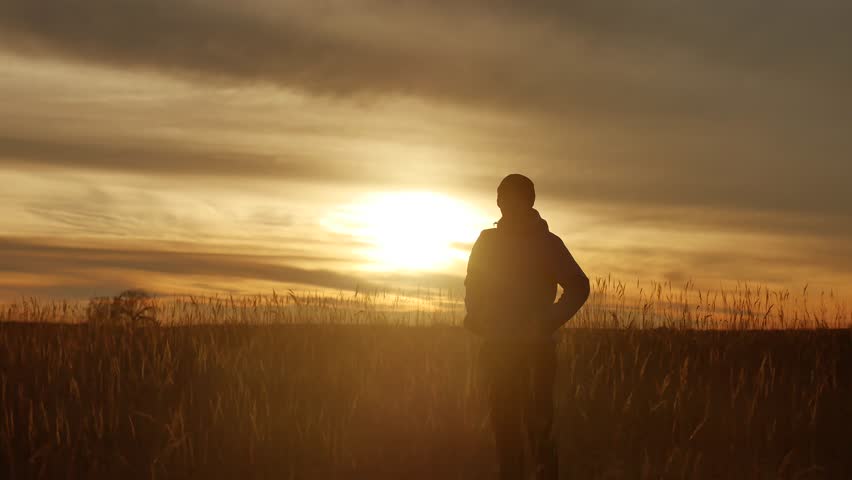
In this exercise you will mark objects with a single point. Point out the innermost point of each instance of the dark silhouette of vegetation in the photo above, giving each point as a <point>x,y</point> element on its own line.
<point>130,308</point>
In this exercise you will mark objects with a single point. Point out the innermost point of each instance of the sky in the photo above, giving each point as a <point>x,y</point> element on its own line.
<point>220,146</point>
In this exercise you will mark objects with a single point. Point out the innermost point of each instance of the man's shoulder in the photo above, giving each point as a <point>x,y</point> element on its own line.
<point>487,234</point>
<point>488,239</point>
<point>552,237</point>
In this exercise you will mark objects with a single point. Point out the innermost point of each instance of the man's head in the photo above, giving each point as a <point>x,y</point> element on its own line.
<point>516,193</point>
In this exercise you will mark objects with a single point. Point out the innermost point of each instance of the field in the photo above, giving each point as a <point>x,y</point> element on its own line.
<point>658,384</point>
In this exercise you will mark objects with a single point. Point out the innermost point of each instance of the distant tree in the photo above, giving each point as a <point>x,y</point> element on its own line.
<point>131,308</point>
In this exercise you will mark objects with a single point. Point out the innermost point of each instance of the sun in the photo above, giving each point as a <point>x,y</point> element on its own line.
<point>420,231</point>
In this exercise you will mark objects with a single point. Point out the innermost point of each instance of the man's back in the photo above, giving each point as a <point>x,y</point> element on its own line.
<point>512,277</point>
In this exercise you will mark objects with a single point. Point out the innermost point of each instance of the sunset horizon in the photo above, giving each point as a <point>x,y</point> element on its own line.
<point>383,239</point>
<point>180,147</point>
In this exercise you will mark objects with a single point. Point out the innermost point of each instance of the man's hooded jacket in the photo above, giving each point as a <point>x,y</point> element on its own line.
<point>512,278</point>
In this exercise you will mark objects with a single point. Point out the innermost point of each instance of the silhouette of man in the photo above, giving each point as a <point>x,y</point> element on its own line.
<point>511,285</point>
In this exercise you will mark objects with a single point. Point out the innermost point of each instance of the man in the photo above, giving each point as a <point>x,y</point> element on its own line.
<point>511,284</point>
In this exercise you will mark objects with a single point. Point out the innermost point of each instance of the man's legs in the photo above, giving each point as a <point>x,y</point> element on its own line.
<point>539,414</point>
<point>506,382</point>
<point>507,422</point>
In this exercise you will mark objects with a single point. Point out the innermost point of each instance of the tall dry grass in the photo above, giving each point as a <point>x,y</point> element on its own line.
<point>612,304</point>
<point>323,386</point>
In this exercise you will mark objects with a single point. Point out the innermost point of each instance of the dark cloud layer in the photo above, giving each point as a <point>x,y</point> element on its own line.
<point>33,256</point>
<point>727,104</point>
<point>589,57</point>
<point>160,157</point>
<point>708,177</point>
<point>111,269</point>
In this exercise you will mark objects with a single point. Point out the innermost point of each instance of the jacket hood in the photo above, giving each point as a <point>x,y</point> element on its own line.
<point>529,222</point>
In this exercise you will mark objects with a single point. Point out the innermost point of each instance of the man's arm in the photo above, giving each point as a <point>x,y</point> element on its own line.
<point>473,300</point>
<point>575,288</point>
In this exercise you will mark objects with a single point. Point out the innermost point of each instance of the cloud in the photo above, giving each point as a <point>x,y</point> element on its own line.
<point>781,224</point>
<point>38,257</point>
<point>162,157</point>
<point>728,104</point>
<point>589,57</point>
<point>86,268</point>
<point>779,264</point>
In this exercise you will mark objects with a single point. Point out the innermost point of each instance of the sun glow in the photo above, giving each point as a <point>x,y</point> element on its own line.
<point>410,230</point>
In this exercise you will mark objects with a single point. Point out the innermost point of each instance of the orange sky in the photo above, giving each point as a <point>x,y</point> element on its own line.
<point>239,146</point>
